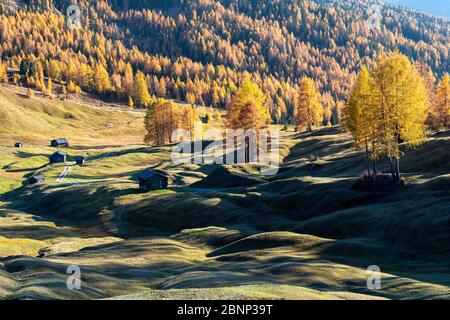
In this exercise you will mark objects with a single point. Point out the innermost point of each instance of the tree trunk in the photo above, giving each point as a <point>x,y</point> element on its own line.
<point>398,174</point>
<point>375,168</point>
<point>368,161</point>
<point>393,171</point>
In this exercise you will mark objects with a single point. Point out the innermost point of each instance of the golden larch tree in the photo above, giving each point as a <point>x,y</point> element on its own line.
<point>308,110</point>
<point>49,86</point>
<point>127,83</point>
<point>3,73</point>
<point>101,79</point>
<point>442,107</point>
<point>400,102</point>
<point>54,70</point>
<point>359,118</point>
<point>140,95</point>
<point>161,120</point>
<point>247,109</point>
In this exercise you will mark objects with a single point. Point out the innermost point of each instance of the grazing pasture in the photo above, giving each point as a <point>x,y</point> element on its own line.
<point>217,231</point>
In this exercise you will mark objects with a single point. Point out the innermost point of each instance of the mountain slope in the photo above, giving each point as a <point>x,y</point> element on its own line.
<point>303,233</point>
<point>199,51</point>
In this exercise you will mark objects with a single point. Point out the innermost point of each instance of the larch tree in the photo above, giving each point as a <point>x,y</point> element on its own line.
<point>359,118</point>
<point>247,109</point>
<point>39,77</point>
<point>3,73</point>
<point>140,95</point>
<point>54,70</point>
<point>399,99</point>
<point>130,102</point>
<point>442,107</point>
<point>161,120</point>
<point>127,83</point>
<point>49,86</point>
<point>101,79</point>
<point>154,125</point>
<point>190,116</point>
<point>217,116</point>
<point>308,110</point>
<point>172,119</point>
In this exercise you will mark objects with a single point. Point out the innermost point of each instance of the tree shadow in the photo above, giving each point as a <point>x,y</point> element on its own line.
<point>26,170</point>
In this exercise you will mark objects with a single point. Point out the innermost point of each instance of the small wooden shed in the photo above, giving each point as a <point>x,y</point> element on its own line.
<point>154,180</point>
<point>80,160</point>
<point>36,179</point>
<point>204,119</point>
<point>58,157</point>
<point>60,143</point>
<point>18,145</point>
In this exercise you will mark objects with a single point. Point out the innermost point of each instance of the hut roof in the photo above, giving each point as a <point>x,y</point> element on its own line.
<point>60,140</point>
<point>59,153</point>
<point>148,174</point>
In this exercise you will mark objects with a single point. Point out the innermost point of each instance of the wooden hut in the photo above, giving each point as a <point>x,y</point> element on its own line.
<point>58,157</point>
<point>60,143</point>
<point>36,179</point>
<point>80,160</point>
<point>154,180</point>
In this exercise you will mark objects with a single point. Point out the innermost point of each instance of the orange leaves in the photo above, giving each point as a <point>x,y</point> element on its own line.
<point>309,110</point>
<point>248,109</point>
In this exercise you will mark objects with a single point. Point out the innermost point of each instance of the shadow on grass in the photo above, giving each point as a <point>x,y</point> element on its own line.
<point>73,205</point>
<point>25,155</point>
<point>26,170</point>
<point>94,147</point>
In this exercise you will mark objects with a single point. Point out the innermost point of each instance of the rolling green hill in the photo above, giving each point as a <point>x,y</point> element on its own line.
<point>301,234</point>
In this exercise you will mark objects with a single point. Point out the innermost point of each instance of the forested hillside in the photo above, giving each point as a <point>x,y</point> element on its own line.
<point>200,51</point>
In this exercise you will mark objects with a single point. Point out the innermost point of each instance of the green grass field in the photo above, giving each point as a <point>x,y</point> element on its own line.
<point>219,232</point>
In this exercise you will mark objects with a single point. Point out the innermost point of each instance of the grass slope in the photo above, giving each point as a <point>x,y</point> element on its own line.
<point>39,120</point>
<point>301,234</point>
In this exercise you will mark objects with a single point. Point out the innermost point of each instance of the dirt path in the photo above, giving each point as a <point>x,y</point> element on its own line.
<point>64,174</point>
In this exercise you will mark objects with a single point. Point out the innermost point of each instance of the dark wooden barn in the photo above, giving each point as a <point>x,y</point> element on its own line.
<point>60,143</point>
<point>80,160</point>
<point>154,180</point>
<point>36,179</point>
<point>18,145</point>
<point>204,119</point>
<point>58,157</point>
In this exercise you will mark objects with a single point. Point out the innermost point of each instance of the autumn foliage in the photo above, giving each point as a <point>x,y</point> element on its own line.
<point>206,51</point>
<point>388,107</point>
<point>248,108</point>
<point>309,111</point>
<point>163,118</point>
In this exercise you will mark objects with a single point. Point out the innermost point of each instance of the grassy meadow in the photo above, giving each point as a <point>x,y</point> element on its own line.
<point>220,232</point>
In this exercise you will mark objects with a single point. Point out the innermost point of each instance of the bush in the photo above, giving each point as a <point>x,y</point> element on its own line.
<point>380,183</point>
